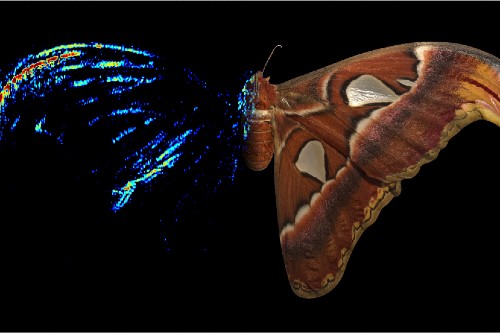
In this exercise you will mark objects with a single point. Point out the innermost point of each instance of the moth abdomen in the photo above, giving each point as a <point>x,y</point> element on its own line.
<point>258,143</point>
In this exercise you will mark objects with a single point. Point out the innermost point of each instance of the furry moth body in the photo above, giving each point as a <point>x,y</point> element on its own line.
<point>346,135</point>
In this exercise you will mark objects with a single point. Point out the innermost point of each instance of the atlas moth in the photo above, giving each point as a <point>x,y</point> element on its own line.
<point>345,136</point>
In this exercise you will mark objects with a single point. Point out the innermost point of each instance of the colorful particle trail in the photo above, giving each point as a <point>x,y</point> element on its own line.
<point>139,123</point>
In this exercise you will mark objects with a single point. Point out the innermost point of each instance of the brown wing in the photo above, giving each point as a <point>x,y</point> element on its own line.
<point>346,135</point>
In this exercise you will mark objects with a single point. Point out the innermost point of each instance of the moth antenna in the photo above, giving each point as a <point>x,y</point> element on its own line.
<point>270,58</point>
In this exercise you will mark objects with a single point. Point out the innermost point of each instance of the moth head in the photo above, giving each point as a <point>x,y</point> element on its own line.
<point>255,104</point>
<point>256,94</point>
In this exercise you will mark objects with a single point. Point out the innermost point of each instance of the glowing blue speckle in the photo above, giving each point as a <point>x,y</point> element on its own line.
<point>122,134</point>
<point>14,124</point>
<point>81,83</point>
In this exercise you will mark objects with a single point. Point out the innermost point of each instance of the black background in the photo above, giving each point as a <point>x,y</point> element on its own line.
<point>428,263</point>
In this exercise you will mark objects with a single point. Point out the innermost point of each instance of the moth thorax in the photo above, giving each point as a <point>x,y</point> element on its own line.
<point>258,143</point>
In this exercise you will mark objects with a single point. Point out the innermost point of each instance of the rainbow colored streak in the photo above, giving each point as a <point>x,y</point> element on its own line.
<point>49,58</point>
<point>12,85</point>
<point>166,160</point>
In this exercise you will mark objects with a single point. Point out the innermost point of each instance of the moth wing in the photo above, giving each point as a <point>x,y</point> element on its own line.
<point>315,250</point>
<point>346,135</point>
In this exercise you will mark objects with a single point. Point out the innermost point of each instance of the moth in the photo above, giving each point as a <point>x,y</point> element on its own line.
<point>345,136</point>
